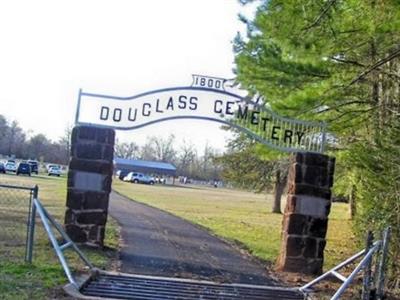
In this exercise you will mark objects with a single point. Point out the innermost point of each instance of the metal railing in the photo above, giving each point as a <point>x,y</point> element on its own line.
<point>15,221</point>
<point>49,222</point>
<point>379,247</point>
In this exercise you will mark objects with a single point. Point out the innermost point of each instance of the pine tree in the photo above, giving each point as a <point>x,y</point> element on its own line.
<point>338,62</point>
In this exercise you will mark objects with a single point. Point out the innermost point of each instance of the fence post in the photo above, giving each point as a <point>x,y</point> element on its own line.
<point>382,264</point>
<point>367,271</point>
<point>31,233</point>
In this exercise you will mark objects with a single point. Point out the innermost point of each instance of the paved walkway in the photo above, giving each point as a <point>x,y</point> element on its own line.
<point>160,244</point>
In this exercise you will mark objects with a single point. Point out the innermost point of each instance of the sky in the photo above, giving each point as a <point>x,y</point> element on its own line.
<point>51,49</point>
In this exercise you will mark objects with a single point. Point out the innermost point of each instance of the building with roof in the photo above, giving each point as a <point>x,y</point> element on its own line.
<point>144,166</point>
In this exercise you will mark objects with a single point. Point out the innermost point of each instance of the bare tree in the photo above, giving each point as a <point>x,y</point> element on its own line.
<point>65,145</point>
<point>209,166</point>
<point>186,159</point>
<point>126,150</point>
<point>160,149</point>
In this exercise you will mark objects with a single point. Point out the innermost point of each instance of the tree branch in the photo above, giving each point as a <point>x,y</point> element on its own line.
<point>321,15</point>
<point>345,61</point>
<point>375,66</point>
<point>343,104</point>
<point>349,112</point>
<point>356,63</point>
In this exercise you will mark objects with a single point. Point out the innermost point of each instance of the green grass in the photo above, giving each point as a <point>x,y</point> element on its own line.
<point>239,216</point>
<point>44,278</point>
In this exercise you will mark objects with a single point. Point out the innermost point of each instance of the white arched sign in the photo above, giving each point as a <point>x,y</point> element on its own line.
<point>205,99</point>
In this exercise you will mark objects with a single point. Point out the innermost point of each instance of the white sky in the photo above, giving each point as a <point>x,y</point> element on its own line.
<point>51,49</point>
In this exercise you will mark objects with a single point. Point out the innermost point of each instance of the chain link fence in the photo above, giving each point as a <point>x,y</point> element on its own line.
<point>15,210</point>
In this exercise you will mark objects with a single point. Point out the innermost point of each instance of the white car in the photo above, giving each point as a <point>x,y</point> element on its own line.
<point>56,171</point>
<point>49,166</point>
<point>139,178</point>
<point>11,167</point>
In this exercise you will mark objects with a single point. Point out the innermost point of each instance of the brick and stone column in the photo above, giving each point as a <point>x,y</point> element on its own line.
<point>89,183</point>
<point>305,220</point>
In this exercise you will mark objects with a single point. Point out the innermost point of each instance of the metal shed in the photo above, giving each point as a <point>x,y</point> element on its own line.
<point>144,166</point>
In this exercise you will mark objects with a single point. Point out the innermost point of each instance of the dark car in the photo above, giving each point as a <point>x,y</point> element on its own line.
<point>122,173</point>
<point>24,168</point>
<point>2,168</point>
<point>34,166</point>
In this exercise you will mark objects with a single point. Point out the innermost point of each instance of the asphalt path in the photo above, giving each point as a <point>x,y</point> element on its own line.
<point>160,244</point>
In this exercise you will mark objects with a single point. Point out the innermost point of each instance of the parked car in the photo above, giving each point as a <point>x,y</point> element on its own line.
<point>56,171</point>
<point>2,168</point>
<point>34,166</point>
<point>139,178</point>
<point>11,167</point>
<point>121,174</point>
<point>24,168</point>
<point>49,166</point>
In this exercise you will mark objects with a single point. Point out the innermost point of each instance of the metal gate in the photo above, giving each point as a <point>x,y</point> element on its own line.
<point>15,221</point>
<point>110,285</point>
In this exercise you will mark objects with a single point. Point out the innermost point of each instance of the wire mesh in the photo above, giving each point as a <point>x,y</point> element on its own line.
<point>15,204</point>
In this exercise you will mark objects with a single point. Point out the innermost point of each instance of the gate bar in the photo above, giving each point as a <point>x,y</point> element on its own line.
<point>46,217</point>
<point>382,264</point>
<point>31,225</point>
<point>67,238</point>
<point>334,269</point>
<point>346,281</point>
<point>55,244</point>
<point>366,286</point>
<point>367,258</point>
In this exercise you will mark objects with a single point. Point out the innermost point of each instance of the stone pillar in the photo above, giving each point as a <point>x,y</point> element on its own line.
<point>305,219</point>
<point>89,183</point>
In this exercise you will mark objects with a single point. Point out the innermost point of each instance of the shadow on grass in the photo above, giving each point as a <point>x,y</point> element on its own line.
<point>179,186</point>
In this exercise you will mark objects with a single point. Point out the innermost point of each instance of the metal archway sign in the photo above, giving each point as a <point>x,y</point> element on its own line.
<point>205,99</point>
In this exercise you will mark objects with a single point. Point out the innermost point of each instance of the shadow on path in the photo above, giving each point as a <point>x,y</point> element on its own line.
<point>160,244</point>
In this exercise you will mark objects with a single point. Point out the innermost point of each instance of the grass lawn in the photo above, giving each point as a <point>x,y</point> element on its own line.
<point>239,216</point>
<point>44,278</point>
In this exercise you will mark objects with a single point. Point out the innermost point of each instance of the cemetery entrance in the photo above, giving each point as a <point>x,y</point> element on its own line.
<point>91,167</point>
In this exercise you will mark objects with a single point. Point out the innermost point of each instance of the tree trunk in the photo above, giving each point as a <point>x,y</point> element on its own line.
<point>352,200</point>
<point>280,184</point>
